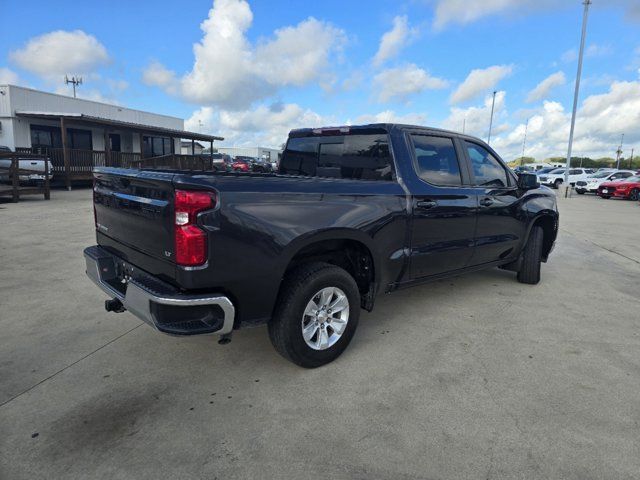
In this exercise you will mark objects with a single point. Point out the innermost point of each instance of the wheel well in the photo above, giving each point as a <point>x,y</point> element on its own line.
<point>549,228</point>
<point>351,255</point>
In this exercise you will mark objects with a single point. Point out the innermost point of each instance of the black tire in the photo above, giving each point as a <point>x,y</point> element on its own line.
<point>300,286</point>
<point>606,197</point>
<point>557,184</point>
<point>634,195</point>
<point>580,192</point>
<point>532,258</point>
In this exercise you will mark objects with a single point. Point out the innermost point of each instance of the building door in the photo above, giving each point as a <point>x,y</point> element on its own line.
<point>114,142</point>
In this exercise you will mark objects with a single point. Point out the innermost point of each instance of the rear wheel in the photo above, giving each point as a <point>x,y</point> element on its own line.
<point>532,258</point>
<point>316,316</point>
<point>635,194</point>
<point>606,197</point>
<point>557,184</point>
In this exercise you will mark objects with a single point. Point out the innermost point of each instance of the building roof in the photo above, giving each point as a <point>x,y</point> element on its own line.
<point>91,120</point>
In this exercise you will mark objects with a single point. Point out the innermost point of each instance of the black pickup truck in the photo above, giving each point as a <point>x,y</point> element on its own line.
<point>352,213</point>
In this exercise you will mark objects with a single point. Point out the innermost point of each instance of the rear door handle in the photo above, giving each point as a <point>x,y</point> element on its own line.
<point>426,204</point>
<point>486,202</point>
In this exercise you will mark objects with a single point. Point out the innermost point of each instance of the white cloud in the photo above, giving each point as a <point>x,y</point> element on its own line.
<point>402,82</point>
<point>463,11</point>
<point>61,52</point>
<point>265,125</point>
<point>480,81</point>
<point>230,72</point>
<point>157,75</point>
<point>475,120</point>
<point>389,116</point>
<point>269,125</point>
<point>8,77</point>
<point>297,55</point>
<point>394,40</point>
<point>600,121</point>
<point>543,89</point>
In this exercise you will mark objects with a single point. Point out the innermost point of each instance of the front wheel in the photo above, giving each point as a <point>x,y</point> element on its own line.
<point>635,194</point>
<point>557,184</point>
<point>580,191</point>
<point>316,316</point>
<point>532,258</point>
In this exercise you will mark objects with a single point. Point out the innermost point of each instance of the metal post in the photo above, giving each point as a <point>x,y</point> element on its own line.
<point>464,125</point>
<point>493,105</point>
<point>65,154</point>
<point>524,142</point>
<point>631,159</point>
<point>619,152</point>
<point>576,95</point>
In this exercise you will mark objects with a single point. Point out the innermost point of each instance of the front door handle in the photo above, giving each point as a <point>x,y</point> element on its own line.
<point>426,204</point>
<point>486,202</point>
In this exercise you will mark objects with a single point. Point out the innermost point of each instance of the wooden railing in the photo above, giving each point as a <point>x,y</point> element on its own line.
<point>14,176</point>
<point>82,162</point>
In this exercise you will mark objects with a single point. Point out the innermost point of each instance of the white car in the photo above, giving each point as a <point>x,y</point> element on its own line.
<point>592,183</point>
<point>555,178</point>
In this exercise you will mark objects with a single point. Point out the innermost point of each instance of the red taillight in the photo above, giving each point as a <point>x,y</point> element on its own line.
<point>191,240</point>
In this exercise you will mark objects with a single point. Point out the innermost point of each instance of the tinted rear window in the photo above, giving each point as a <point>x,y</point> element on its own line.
<point>356,157</point>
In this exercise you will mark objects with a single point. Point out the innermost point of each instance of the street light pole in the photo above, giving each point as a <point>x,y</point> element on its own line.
<point>493,106</point>
<point>619,152</point>
<point>576,95</point>
<point>524,142</point>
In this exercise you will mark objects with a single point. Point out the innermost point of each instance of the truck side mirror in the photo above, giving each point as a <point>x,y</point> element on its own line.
<point>527,181</point>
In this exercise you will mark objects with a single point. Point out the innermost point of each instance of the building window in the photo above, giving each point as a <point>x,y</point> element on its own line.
<point>44,136</point>
<point>156,146</point>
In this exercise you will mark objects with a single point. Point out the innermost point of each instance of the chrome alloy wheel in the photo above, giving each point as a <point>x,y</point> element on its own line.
<point>325,318</point>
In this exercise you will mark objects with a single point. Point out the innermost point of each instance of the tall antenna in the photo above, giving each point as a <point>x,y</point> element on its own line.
<point>75,81</point>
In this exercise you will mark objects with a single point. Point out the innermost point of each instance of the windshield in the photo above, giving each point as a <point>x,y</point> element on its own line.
<point>546,170</point>
<point>600,175</point>
<point>557,171</point>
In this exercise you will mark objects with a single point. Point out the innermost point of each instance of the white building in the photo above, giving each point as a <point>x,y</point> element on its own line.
<point>79,134</point>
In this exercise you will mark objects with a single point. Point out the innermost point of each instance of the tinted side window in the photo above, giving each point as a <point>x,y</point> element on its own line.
<point>575,172</point>
<point>300,157</point>
<point>357,157</point>
<point>487,170</point>
<point>436,160</point>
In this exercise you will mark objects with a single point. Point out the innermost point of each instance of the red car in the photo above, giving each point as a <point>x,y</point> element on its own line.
<point>629,189</point>
<point>240,166</point>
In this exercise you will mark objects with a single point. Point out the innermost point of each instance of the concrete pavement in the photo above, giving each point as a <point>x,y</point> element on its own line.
<point>472,377</point>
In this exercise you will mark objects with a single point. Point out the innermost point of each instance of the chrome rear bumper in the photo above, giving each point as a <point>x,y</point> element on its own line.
<point>156,302</point>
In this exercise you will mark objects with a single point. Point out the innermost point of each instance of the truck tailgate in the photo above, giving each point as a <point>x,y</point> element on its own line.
<point>134,208</point>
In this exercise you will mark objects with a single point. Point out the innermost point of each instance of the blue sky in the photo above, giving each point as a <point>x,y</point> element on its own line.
<point>263,68</point>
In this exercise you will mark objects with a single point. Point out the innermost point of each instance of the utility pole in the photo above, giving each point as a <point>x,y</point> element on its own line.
<point>75,81</point>
<point>524,142</point>
<point>493,106</point>
<point>464,125</point>
<point>576,95</point>
<point>619,152</point>
<point>631,160</point>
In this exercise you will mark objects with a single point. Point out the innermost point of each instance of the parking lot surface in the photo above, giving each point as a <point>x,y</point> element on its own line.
<point>471,377</point>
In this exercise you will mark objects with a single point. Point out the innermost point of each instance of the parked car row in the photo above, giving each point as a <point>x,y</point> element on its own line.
<point>627,188</point>
<point>240,163</point>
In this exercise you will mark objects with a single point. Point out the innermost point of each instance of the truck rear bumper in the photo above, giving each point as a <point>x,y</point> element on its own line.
<point>155,302</point>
